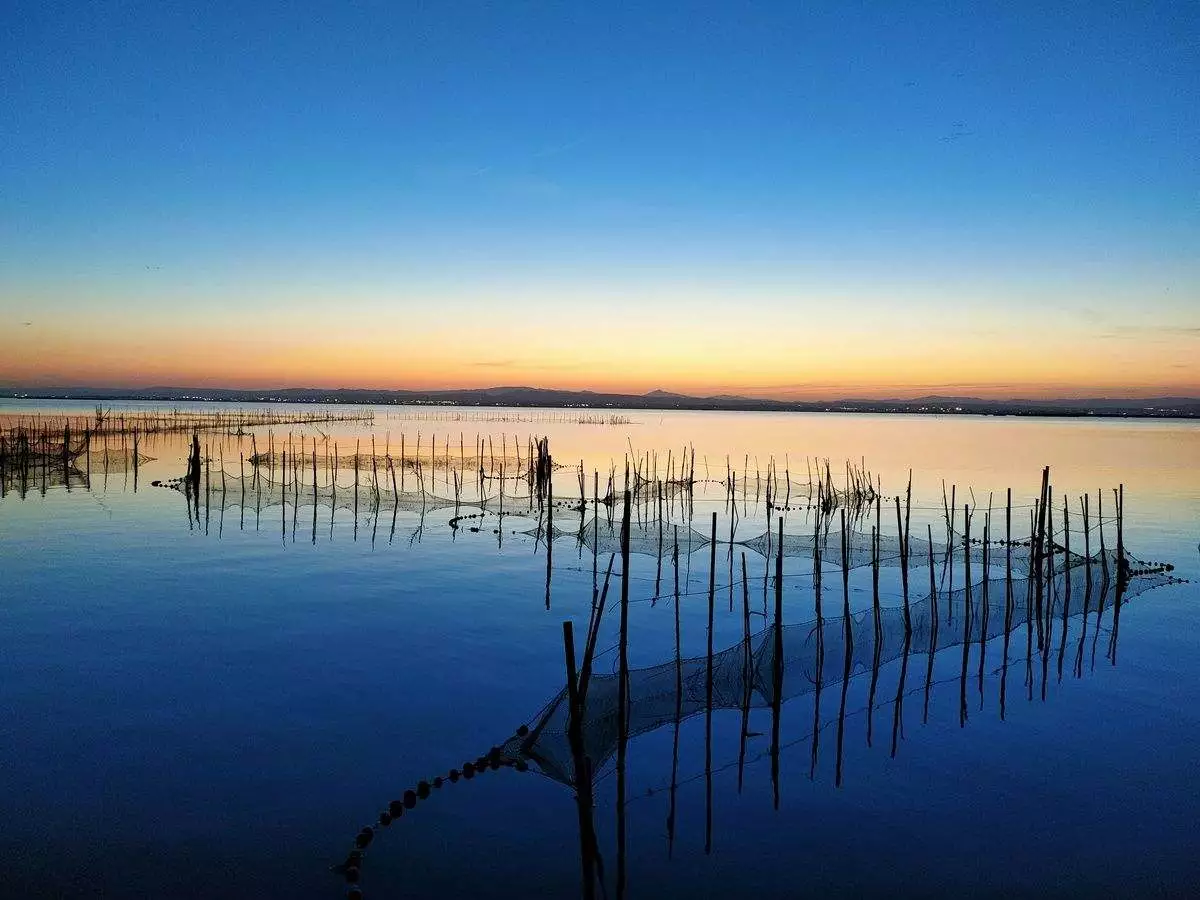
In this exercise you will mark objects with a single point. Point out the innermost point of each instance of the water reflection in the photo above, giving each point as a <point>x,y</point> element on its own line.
<point>592,722</point>
<point>795,709</point>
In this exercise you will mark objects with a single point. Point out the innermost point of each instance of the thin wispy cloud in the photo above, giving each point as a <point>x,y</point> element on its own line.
<point>1145,332</point>
<point>524,366</point>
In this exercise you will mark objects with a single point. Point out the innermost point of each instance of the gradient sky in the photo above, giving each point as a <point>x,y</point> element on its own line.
<point>782,199</point>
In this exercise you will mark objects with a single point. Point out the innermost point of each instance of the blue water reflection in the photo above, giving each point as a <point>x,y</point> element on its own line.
<point>214,708</point>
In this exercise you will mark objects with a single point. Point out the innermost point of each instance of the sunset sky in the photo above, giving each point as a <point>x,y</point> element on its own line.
<point>778,199</point>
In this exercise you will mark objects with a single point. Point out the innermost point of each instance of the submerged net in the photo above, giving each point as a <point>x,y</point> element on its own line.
<point>777,665</point>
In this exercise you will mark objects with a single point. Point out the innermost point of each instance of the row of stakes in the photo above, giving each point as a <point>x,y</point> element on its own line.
<point>351,868</point>
<point>998,542</point>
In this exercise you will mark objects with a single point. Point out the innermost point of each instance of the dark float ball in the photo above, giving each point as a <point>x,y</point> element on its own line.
<point>385,818</point>
<point>423,789</point>
<point>396,808</point>
<point>454,775</point>
<point>410,799</point>
<point>352,874</point>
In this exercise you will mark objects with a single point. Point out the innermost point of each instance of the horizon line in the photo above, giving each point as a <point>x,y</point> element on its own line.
<point>101,391</point>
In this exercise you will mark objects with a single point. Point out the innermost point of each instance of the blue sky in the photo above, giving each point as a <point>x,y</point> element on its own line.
<point>968,172</point>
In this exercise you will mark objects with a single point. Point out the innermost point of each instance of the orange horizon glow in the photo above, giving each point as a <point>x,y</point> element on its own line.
<point>697,361</point>
<point>752,341</point>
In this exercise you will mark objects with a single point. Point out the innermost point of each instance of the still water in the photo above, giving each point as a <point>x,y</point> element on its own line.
<point>212,698</point>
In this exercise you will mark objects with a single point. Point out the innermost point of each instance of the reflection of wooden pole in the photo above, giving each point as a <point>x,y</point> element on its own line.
<point>582,787</point>
<point>747,671</point>
<point>283,495</point>
<point>1119,591</point>
<point>623,697</point>
<point>949,565</point>
<point>848,641</point>
<point>966,640</point>
<point>708,690</point>
<point>877,634</point>
<point>1048,610</point>
<point>933,625</point>
<point>777,666</point>
<point>1008,597</point>
<point>985,600</point>
<point>356,446</point>
<point>1062,649</point>
<point>678,705</point>
<point>550,536</point>
<point>898,705</point>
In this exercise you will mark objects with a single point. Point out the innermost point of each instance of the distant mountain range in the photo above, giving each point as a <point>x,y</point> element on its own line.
<point>1157,407</point>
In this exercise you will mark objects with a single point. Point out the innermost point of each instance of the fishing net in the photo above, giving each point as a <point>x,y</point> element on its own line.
<point>653,538</point>
<point>777,665</point>
<point>859,553</point>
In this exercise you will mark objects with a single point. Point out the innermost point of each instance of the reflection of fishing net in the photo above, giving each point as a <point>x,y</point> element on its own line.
<point>23,481</point>
<point>347,461</point>
<point>669,488</point>
<point>25,447</point>
<point>855,486</point>
<point>779,488</point>
<point>113,460</point>
<point>747,675</point>
<point>258,493</point>
<point>603,536</point>
<point>52,470</point>
<point>858,550</point>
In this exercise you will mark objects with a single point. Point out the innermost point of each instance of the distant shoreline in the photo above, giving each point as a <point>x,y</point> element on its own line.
<point>520,397</point>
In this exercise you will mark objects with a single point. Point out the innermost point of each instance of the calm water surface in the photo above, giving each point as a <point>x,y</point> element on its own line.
<point>212,702</point>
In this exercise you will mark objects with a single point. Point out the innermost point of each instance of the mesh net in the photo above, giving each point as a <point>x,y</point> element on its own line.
<point>747,674</point>
<point>258,493</point>
<point>652,538</point>
<point>858,549</point>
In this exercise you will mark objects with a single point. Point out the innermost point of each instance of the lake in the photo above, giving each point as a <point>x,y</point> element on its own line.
<point>210,686</point>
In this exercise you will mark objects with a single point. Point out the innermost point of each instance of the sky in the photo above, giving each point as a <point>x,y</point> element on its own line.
<point>771,199</point>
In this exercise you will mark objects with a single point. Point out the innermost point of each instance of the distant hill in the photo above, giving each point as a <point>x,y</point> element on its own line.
<point>1158,407</point>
